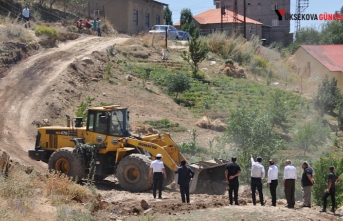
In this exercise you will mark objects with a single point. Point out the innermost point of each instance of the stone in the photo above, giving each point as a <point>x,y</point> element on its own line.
<point>145,205</point>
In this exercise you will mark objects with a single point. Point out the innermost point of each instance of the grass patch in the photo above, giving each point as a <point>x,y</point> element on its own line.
<point>166,125</point>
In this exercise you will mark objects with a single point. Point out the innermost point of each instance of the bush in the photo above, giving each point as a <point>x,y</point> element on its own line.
<point>178,83</point>
<point>47,31</point>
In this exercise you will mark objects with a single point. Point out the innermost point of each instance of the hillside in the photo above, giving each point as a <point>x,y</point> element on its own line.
<point>49,83</point>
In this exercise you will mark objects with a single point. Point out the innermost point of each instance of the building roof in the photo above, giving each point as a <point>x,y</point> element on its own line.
<point>161,3</point>
<point>213,16</point>
<point>331,56</point>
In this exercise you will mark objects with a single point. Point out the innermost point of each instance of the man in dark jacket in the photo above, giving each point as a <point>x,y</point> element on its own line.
<point>185,177</point>
<point>232,171</point>
<point>307,182</point>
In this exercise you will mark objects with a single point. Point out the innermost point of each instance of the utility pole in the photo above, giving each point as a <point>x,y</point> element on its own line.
<point>235,17</point>
<point>245,23</point>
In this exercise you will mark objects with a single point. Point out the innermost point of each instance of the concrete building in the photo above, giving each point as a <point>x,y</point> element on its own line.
<point>316,61</point>
<point>211,21</point>
<point>128,16</point>
<point>263,11</point>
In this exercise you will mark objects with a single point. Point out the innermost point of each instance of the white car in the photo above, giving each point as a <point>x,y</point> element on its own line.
<point>161,30</point>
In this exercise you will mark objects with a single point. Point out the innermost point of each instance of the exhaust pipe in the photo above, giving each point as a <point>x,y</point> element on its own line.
<point>68,120</point>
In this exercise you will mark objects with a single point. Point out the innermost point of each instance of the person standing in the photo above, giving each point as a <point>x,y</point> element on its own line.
<point>185,177</point>
<point>289,177</point>
<point>156,172</point>
<point>26,16</point>
<point>333,180</point>
<point>232,171</point>
<point>272,183</point>
<point>257,175</point>
<point>99,26</point>
<point>307,182</point>
<point>95,25</point>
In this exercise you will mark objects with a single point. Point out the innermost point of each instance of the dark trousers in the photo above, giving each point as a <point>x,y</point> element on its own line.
<point>256,183</point>
<point>99,32</point>
<point>184,191</point>
<point>233,187</point>
<point>272,188</point>
<point>157,182</point>
<point>289,192</point>
<point>332,193</point>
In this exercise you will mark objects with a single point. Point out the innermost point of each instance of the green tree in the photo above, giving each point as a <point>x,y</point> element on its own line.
<point>196,54</point>
<point>327,96</point>
<point>178,83</point>
<point>310,135</point>
<point>308,35</point>
<point>187,23</point>
<point>167,15</point>
<point>321,169</point>
<point>251,132</point>
<point>280,105</point>
<point>340,112</point>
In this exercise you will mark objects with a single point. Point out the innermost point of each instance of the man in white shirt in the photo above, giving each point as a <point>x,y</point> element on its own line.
<point>257,175</point>
<point>289,178</point>
<point>26,15</point>
<point>156,173</point>
<point>273,173</point>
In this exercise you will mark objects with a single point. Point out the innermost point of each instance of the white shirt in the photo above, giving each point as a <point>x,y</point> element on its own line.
<point>26,12</point>
<point>257,170</point>
<point>273,172</point>
<point>157,166</point>
<point>290,172</point>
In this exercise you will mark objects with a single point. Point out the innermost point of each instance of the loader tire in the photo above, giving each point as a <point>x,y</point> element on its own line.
<point>170,177</point>
<point>133,173</point>
<point>65,161</point>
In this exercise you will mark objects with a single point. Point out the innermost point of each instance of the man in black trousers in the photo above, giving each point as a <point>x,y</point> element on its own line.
<point>273,173</point>
<point>185,177</point>
<point>232,172</point>
<point>156,172</point>
<point>333,179</point>
<point>257,175</point>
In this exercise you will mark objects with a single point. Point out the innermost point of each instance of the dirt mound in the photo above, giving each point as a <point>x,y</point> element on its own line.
<point>215,125</point>
<point>233,70</point>
<point>13,52</point>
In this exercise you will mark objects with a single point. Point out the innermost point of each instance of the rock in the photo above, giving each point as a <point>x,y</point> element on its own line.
<point>87,60</point>
<point>148,211</point>
<point>173,186</point>
<point>129,77</point>
<point>145,205</point>
<point>104,94</point>
<point>46,121</point>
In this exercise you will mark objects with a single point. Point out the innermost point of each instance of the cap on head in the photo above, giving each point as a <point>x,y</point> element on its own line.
<point>259,159</point>
<point>158,155</point>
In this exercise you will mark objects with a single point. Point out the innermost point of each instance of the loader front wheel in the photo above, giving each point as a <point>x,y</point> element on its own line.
<point>65,161</point>
<point>133,173</point>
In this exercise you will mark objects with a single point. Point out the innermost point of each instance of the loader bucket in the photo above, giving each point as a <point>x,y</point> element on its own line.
<point>209,177</point>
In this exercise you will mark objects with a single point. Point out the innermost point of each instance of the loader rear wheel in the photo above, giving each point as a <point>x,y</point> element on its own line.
<point>133,173</point>
<point>170,176</point>
<point>65,161</point>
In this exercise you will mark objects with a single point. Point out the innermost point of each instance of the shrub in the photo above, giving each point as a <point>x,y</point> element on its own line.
<point>327,96</point>
<point>178,83</point>
<point>47,31</point>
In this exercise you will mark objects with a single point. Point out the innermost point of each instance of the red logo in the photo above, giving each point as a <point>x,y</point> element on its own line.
<point>280,13</point>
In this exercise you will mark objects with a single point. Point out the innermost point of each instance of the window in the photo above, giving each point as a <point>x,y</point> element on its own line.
<point>249,4</point>
<point>91,122</point>
<point>147,24</point>
<point>135,17</point>
<point>259,4</point>
<point>250,30</point>
<point>274,7</point>
<point>157,20</point>
<point>275,22</point>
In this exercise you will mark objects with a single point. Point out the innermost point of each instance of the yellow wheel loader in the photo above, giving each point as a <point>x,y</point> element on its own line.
<point>104,146</point>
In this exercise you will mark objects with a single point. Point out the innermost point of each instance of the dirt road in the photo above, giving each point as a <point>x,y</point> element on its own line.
<point>24,88</point>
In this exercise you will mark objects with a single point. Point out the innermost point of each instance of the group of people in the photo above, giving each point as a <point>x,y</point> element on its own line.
<point>96,23</point>
<point>185,176</point>
<point>289,177</point>
<point>233,171</point>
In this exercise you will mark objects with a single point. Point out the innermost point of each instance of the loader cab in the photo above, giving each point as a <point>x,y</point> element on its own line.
<point>109,120</point>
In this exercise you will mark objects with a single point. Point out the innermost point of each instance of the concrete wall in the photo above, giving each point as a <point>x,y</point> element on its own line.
<point>261,10</point>
<point>314,70</point>
<point>120,13</point>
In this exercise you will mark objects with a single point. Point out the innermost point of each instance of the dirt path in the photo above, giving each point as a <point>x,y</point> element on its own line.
<point>25,86</point>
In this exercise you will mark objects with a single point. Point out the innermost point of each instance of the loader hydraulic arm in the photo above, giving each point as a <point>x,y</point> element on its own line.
<point>161,144</point>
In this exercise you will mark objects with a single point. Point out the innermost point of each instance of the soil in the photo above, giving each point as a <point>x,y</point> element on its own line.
<point>46,86</point>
